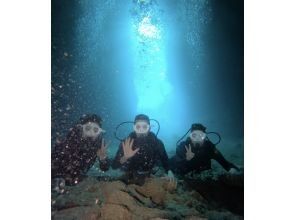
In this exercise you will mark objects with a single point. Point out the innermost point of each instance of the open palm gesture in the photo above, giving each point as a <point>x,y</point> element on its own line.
<point>128,148</point>
<point>102,151</point>
<point>189,153</point>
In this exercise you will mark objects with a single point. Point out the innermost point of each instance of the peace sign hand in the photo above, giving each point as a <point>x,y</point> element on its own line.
<point>189,153</point>
<point>128,151</point>
<point>102,151</point>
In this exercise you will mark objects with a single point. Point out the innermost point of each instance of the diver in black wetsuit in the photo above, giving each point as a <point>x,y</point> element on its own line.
<point>73,157</point>
<point>196,152</point>
<point>138,153</point>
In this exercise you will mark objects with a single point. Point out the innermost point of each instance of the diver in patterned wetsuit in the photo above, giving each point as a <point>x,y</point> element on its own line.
<point>138,153</point>
<point>73,157</point>
<point>196,152</point>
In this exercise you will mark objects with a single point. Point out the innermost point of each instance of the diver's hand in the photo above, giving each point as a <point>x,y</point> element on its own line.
<point>189,153</point>
<point>128,151</point>
<point>171,178</point>
<point>102,151</point>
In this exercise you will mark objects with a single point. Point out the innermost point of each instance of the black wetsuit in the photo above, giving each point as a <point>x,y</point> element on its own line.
<point>72,158</point>
<point>140,165</point>
<point>201,160</point>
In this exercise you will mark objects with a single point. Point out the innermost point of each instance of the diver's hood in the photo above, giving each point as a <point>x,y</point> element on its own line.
<point>91,118</point>
<point>142,117</point>
<point>197,126</point>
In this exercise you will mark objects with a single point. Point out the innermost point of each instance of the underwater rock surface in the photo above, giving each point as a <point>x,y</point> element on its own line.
<point>113,200</point>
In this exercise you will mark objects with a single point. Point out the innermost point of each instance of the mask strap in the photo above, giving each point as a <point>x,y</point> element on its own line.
<point>158,129</point>
<point>183,137</point>
<point>117,127</point>
<point>215,133</point>
<point>132,122</point>
<point>101,130</point>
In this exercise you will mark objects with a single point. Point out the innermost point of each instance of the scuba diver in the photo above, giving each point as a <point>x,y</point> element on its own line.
<point>196,152</point>
<point>73,157</point>
<point>138,153</point>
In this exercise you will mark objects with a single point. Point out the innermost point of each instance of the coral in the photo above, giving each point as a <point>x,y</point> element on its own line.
<point>85,213</point>
<point>156,199</point>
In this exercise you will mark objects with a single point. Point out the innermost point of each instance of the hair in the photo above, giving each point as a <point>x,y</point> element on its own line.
<point>142,117</point>
<point>197,126</point>
<point>91,118</point>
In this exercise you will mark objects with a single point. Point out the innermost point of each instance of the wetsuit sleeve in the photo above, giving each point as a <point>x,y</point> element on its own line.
<point>216,155</point>
<point>56,157</point>
<point>61,152</point>
<point>181,151</point>
<point>103,164</point>
<point>162,155</point>
<point>116,161</point>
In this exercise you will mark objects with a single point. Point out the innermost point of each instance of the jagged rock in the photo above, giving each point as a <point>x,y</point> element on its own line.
<point>158,219</point>
<point>195,218</point>
<point>156,199</point>
<point>85,213</point>
<point>108,188</point>
<point>140,198</point>
<point>233,180</point>
<point>115,212</point>
<point>121,197</point>
<point>155,189</point>
<point>142,213</point>
<point>222,215</point>
<point>87,193</point>
<point>224,192</point>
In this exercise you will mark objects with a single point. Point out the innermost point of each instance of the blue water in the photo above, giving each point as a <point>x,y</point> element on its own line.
<point>178,61</point>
